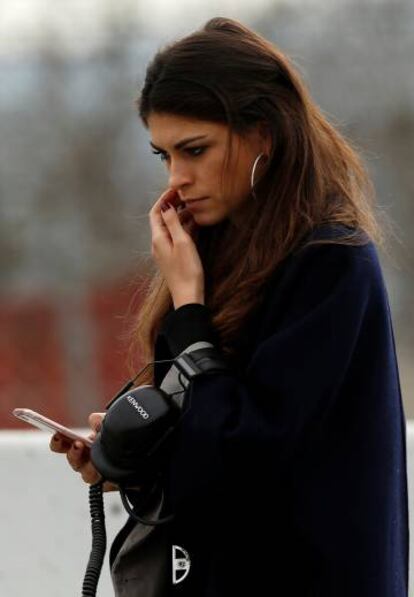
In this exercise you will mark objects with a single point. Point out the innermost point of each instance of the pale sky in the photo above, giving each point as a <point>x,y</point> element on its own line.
<point>24,23</point>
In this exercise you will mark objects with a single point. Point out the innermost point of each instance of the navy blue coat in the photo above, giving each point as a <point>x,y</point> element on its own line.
<point>287,474</point>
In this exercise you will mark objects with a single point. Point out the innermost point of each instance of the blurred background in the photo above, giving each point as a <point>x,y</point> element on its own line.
<point>77,176</point>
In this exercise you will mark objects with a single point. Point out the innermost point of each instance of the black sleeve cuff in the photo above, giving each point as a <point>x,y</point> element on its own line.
<point>188,324</point>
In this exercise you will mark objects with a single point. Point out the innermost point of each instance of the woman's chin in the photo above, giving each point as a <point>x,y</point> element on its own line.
<point>207,218</point>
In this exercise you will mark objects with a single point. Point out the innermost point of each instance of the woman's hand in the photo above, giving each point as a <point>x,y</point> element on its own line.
<point>78,453</point>
<point>175,251</point>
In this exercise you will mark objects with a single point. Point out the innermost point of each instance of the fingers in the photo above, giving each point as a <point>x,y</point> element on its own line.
<point>95,421</point>
<point>169,196</point>
<point>92,435</point>
<point>167,235</point>
<point>158,226</point>
<point>89,474</point>
<point>79,459</point>
<point>174,200</point>
<point>174,226</point>
<point>59,443</point>
<point>77,456</point>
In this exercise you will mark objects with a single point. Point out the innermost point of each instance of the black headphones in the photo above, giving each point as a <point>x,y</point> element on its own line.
<point>132,445</point>
<point>137,430</point>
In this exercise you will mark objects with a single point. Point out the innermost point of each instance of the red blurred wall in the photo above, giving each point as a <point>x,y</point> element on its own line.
<point>33,371</point>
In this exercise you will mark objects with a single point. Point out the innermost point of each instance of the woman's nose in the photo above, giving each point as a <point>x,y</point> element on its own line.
<point>179,176</point>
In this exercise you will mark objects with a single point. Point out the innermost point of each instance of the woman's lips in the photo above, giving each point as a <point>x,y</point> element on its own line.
<point>195,202</point>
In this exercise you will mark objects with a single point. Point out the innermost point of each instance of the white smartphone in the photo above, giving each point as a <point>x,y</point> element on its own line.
<point>38,420</point>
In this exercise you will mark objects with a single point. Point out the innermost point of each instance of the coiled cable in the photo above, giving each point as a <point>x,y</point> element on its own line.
<point>97,554</point>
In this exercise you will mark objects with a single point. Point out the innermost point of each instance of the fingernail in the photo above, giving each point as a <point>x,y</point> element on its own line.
<point>165,206</point>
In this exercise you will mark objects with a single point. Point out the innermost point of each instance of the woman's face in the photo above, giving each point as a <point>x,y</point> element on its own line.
<point>195,166</point>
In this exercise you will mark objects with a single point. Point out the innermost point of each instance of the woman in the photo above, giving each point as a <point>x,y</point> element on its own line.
<point>288,473</point>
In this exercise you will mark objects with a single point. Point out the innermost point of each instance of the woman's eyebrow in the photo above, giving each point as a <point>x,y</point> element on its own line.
<point>181,143</point>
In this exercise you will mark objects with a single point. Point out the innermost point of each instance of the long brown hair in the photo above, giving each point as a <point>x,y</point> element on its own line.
<point>225,72</point>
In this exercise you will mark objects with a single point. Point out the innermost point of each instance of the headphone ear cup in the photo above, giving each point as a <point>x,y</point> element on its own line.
<point>132,442</point>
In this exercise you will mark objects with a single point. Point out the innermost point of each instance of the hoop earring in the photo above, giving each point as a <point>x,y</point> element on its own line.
<point>253,171</point>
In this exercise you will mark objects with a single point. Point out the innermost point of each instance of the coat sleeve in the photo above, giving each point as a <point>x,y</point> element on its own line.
<point>291,383</point>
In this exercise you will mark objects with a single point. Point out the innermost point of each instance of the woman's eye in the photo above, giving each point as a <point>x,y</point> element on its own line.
<point>193,151</point>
